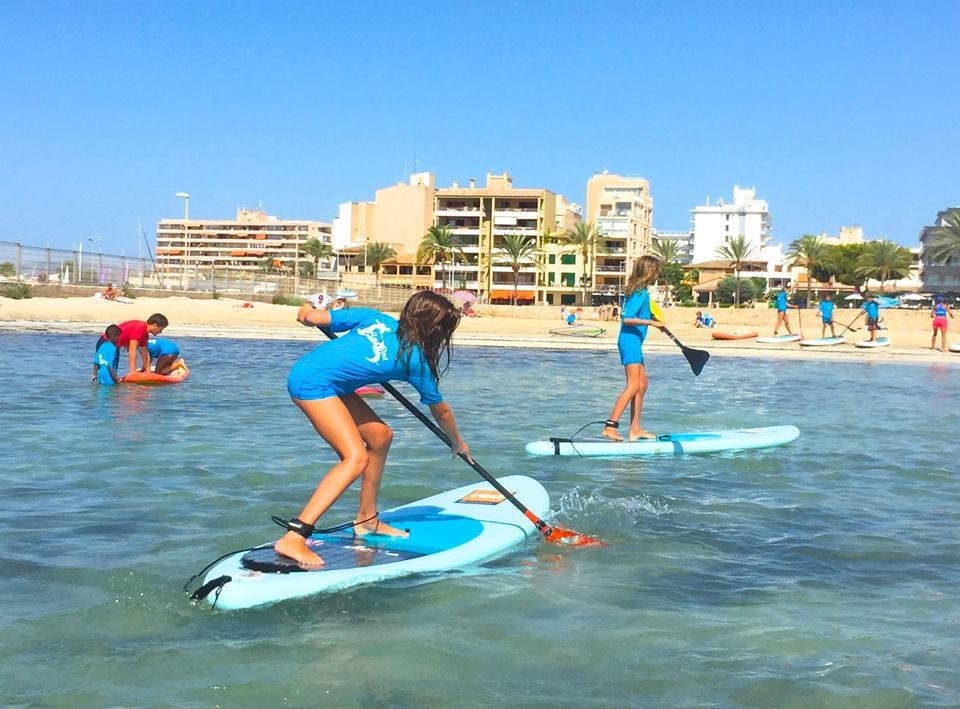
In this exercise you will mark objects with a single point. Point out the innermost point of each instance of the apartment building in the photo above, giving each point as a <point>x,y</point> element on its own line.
<point>481,218</point>
<point>254,242</point>
<point>622,209</point>
<point>714,225</point>
<point>682,240</point>
<point>938,277</point>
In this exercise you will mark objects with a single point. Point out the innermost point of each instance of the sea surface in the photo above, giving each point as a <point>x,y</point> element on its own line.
<point>825,573</point>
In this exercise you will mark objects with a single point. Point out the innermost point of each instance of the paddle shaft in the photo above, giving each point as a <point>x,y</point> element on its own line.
<point>541,526</point>
<point>850,326</point>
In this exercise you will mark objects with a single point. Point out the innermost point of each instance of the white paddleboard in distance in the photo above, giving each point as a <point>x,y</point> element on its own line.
<point>671,443</point>
<point>955,347</point>
<point>823,342</point>
<point>879,342</point>
<point>449,530</point>
<point>778,338</point>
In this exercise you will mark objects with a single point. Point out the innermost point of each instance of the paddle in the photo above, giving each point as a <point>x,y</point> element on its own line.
<point>696,358</point>
<point>850,326</point>
<point>553,534</point>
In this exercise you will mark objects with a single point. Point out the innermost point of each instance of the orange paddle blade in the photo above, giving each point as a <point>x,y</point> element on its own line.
<point>567,537</point>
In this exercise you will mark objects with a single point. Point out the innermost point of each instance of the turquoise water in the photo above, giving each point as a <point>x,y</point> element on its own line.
<point>824,573</point>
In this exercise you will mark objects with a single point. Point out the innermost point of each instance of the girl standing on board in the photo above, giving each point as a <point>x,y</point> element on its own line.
<point>377,348</point>
<point>633,331</point>
<point>939,315</point>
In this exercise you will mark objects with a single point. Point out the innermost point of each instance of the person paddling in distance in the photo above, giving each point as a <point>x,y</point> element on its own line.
<point>826,316</point>
<point>782,307</point>
<point>377,348</point>
<point>871,306</point>
<point>939,314</point>
<point>633,330</point>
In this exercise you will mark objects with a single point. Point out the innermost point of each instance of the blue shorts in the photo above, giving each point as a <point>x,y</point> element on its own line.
<point>308,382</point>
<point>631,349</point>
<point>827,321</point>
<point>164,348</point>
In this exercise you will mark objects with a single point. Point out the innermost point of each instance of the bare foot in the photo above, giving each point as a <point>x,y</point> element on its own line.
<point>611,433</point>
<point>641,435</point>
<point>375,526</point>
<point>293,546</point>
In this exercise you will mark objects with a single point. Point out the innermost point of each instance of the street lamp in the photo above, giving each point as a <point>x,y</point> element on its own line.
<point>185,196</point>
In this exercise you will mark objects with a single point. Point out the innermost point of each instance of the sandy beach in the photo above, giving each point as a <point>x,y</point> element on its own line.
<point>503,326</point>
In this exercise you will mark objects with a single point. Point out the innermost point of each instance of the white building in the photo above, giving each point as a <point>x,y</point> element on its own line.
<point>683,241</point>
<point>714,225</point>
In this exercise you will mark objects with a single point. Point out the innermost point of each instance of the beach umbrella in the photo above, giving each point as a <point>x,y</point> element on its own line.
<point>912,297</point>
<point>464,296</point>
<point>346,293</point>
<point>854,296</point>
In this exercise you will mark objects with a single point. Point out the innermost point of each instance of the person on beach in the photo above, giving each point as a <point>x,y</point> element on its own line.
<point>633,330</point>
<point>134,335</point>
<point>939,314</point>
<point>110,293</point>
<point>377,349</point>
<point>871,306</point>
<point>782,307</point>
<point>165,354</point>
<point>826,316</point>
<point>106,357</point>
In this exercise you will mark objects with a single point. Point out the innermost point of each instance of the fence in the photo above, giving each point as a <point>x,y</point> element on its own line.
<point>45,266</point>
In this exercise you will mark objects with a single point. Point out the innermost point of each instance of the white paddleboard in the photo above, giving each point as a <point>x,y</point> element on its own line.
<point>670,444</point>
<point>955,347</point>
<point>778,338</point>
<point>450,530</point>
<point>823,342</point>
<point>879,342</point>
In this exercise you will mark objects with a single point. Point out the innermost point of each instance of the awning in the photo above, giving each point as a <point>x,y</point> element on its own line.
<point>509,294</point>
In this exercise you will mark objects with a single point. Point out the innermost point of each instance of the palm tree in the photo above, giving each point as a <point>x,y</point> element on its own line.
<point>884,261</point>
<point>737,251</point>
<point>316,249</point>
<point>944,245</point>
<point>666,250</point>
<point>809,251</point>
<point>585,239</point>
<point>516,252</point>
<point>376,254</point>
<point>437,245</point>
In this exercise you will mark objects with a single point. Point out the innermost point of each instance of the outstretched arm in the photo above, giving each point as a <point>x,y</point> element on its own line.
<point>313,317</point>
<point>448,422</point>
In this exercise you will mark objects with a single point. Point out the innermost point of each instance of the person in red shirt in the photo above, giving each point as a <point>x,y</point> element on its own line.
<point>134,335</point>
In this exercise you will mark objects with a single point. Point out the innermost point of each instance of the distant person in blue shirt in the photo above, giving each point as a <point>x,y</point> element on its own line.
<point>939,314</point>
<point>826,316</point>
<point>376,348</point>
<point>165,353</point>
<point>872,308</point>
<point>633,331</point>
<point>704,320</point>
<point>106,356</point>
<point>782,306</point>
<point>572,319</point>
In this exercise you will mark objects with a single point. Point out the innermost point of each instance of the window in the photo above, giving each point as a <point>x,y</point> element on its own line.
<point>568,279</point>
<point>568,259</point>
<point>552,259</point>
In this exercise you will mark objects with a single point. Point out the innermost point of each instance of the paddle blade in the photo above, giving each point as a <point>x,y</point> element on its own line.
<point>696,358</point>
<point>556,535</point>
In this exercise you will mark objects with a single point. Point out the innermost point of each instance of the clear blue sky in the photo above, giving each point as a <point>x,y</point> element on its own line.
<point>839,113</point>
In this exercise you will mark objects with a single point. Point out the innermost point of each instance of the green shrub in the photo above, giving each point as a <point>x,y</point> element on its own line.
<point>16,291</point>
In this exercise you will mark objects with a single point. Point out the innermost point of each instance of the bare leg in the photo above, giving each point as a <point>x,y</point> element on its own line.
<point>332,419</point>
<point>165,363</point>
<point>636,379</point>
<point>637,432</point>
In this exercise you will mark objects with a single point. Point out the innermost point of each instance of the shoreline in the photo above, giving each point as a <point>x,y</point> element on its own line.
<point>498,326</point>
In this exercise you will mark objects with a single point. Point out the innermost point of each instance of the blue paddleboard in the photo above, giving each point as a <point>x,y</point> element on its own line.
<point>450,530</point>
<point>670,443</point>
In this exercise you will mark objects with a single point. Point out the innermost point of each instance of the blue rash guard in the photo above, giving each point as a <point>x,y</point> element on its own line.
<point>872,309</point>
<point>630,341</point>
<point>365,354</point>
<point>106,356</point>
<point>781,302</point>
<point>158,347</point>
<point>826,311</point>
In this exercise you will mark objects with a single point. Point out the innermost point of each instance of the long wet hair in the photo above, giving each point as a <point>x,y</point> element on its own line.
<point>646,269</point>
<point>427,321</point>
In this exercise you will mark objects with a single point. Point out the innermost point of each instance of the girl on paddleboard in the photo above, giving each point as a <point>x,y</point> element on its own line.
<point>377,349</point>
<point>633,330</point>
